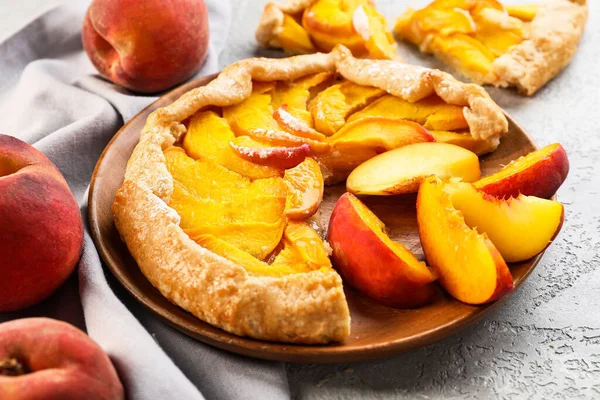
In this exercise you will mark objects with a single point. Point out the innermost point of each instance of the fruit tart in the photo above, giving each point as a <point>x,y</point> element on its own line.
<point>308,26</point>
<point>220,196</point>
<point>523,46</point>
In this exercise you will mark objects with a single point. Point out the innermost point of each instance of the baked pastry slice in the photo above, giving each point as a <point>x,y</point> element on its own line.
<point>523,46</point>
<point>219,195</point>
<point>308,26</point>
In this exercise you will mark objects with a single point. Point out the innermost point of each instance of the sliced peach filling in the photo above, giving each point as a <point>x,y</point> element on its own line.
<point>211,199</point>
<point>469,35</point>
<point>208,138</point>
<point>301,250</point>
<point>294,38</point>
<point>354,23</point>
<point>332,106</point>
<point>304,189</point>
<point>245,183</point>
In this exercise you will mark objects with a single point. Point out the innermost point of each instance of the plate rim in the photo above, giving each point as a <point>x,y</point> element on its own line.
<point>322,354</point>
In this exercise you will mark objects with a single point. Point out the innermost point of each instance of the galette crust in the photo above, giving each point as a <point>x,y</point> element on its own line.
<point>300,308</point>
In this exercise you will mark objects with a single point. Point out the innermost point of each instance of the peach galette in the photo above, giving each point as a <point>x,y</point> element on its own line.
<point>515,45</point>
<point>308,26</point>
<point>220,202</point>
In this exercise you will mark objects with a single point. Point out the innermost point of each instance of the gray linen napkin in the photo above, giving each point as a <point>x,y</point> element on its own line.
<point>51,97</point>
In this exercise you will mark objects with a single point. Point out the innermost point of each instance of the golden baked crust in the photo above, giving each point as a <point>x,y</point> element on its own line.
<point>303,307</point>
<point>553,39</point>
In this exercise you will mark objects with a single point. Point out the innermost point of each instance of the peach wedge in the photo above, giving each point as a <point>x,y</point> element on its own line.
<point>468,264</point>
<point>371,262</point>
<point>259,153</point>
<point>519,227</point>
<point>538,174</point>
<point>401,170</point>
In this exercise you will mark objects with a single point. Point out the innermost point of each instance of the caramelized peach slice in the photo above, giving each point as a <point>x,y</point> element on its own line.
<point>304,246</point>
<point>372,28</point>
<point>464,140</point>
<point>282,138</point>
<point>255,112</point>
<point>525,12</point>
<point>332,106</point>
<point>371,262</point>
<point>259,153</point>
<point>520,228</point>
<point>498,42</point>
<point>431,112</point>
<point>295,125</point>
<point>470,53</point>
<point>416,25</point>
<point>538,174</point>
<point>467,263</point>
<point>296,94</point>
<point>304,189</point>
<point>401,170</point>
<point>293,38</point>
<point>208,138</point>
<point>329,22</point>
<point>379,133</point>
<point>253,265</point>
<point>211,199</point>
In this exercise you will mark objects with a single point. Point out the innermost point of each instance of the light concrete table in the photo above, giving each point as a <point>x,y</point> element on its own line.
<point>545,341</point>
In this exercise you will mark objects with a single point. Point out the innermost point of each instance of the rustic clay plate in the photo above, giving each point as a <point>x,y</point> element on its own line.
<point>376,330</point>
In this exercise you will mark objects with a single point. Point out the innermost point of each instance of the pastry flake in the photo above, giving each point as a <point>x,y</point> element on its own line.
<point>522,46</point>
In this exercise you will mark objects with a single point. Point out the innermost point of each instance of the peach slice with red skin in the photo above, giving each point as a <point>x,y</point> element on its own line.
<point>538,174</point>
<point>372,263</point>
<point>304,189</point>
<point>520,227</point>
<point>379,133</point>
<point>401,170</point>
<point>467,263</point>
<point>259,153</point>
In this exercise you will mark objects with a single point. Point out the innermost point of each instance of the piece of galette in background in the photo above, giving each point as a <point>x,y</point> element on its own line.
<point>522,46</point>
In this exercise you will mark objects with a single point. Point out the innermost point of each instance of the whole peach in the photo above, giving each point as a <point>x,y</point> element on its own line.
<point>41,358</point>
<point>146,46</point>
<point>41,231</point>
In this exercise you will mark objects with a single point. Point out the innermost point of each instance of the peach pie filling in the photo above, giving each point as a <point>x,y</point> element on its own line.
<point>249,178</point>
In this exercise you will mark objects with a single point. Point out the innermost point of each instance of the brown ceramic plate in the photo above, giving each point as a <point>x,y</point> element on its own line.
<point>376,330</point>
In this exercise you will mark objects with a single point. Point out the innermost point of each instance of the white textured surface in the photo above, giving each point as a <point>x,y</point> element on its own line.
<point>545,341</point>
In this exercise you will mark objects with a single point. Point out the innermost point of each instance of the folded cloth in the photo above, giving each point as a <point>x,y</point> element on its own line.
<point>52,97</point>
